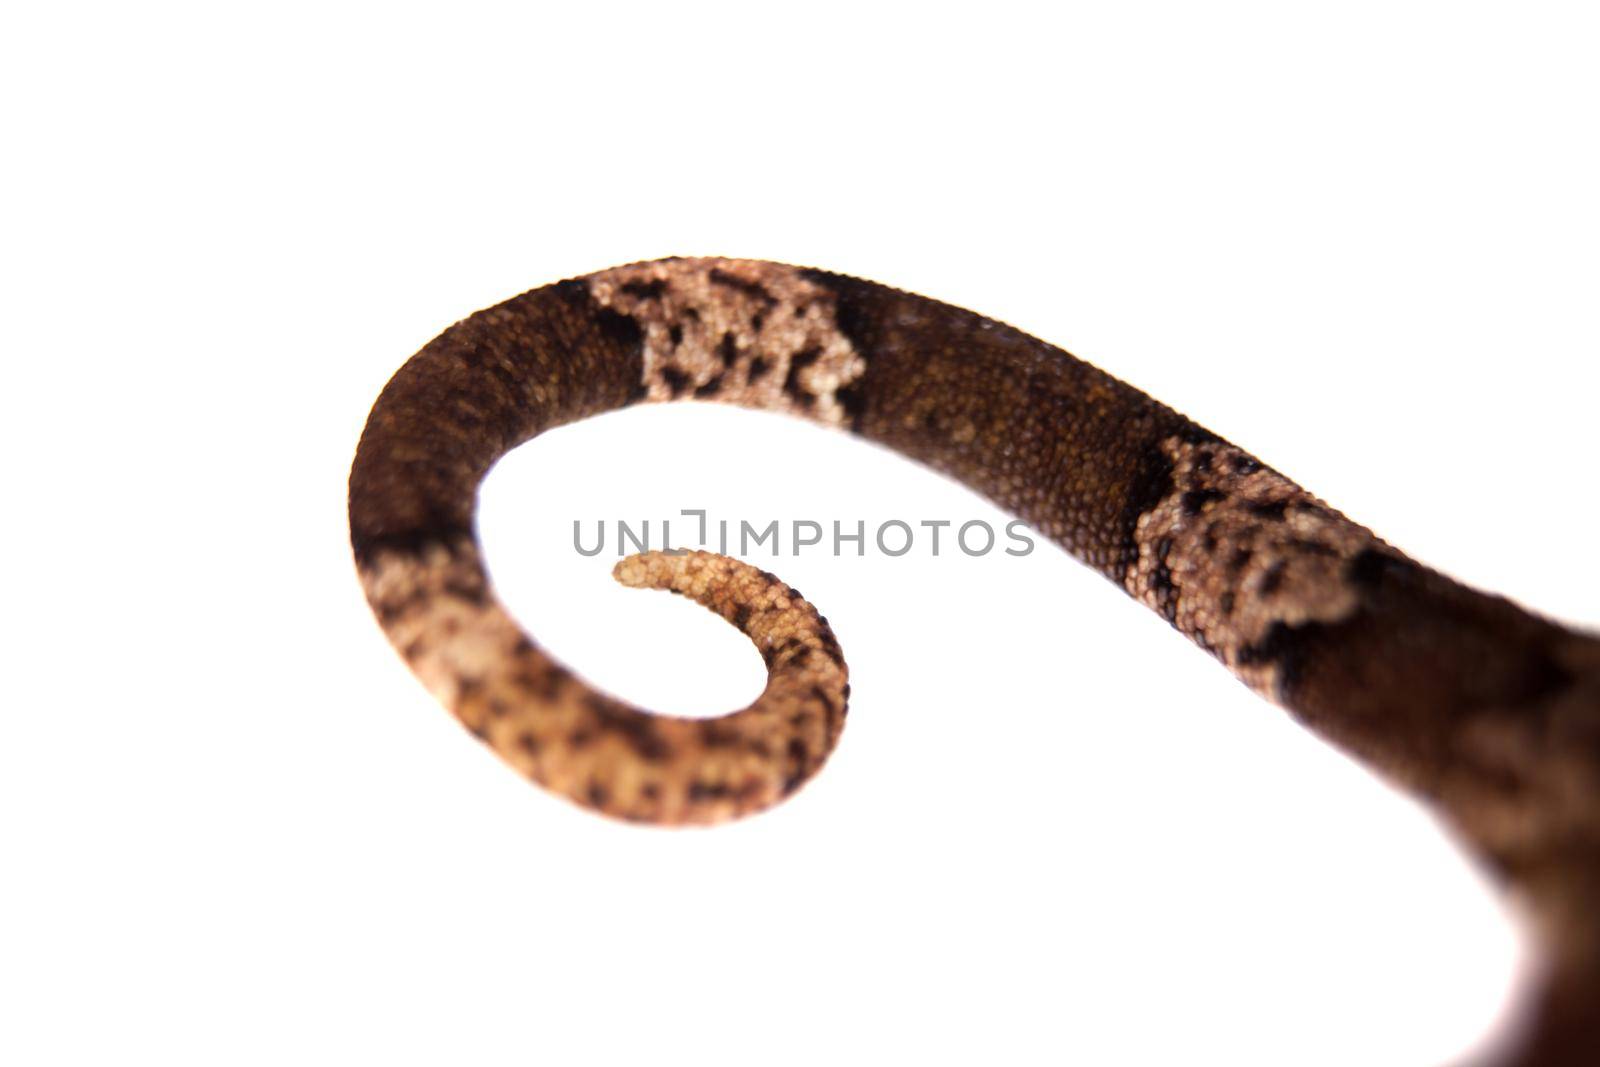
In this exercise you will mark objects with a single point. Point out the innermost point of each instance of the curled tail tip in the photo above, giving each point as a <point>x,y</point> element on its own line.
<point>632,572</point>
<point>660,569</point>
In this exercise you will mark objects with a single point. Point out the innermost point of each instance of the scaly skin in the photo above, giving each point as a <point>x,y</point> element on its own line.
<point>1491,713</point>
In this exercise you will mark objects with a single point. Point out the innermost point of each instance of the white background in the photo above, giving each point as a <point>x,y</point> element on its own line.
<point>1356,239</point>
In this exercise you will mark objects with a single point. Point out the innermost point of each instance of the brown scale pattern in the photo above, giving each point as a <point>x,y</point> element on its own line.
<point>1236,550</point>
<point>1489,711</point>
<point>755,334</point>
<point>437,608</point>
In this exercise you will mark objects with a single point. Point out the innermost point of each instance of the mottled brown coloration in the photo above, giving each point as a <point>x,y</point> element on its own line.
<point>1490,712</point>
<point>592,748</point>
<point>756,334</point>
<point>1235,549</point>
